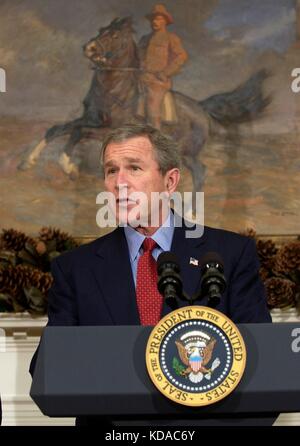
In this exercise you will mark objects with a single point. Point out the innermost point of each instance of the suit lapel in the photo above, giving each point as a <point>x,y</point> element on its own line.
<point>113,274</point>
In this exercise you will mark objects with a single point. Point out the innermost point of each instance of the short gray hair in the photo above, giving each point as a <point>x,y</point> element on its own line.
<point>166,150</point>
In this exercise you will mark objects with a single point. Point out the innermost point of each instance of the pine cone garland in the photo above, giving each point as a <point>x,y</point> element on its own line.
<point>281,292</point>
<point>24,265</point>
<point>63,240</point>
<point>15,240</point>
<point>287,259</point>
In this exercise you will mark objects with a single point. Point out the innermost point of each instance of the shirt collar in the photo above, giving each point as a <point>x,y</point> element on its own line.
<point>163,237</point>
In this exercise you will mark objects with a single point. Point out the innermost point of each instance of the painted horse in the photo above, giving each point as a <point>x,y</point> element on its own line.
<point>113,97</point>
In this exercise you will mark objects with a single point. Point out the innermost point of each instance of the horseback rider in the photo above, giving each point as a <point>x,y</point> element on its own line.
<point>162,55</point>
<point>114,93</point>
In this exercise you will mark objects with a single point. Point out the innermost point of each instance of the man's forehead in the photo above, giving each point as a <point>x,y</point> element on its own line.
<point>129,159</point>
<point>136,147</point>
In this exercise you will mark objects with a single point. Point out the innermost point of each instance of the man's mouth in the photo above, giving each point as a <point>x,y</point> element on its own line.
<point>125,201</point>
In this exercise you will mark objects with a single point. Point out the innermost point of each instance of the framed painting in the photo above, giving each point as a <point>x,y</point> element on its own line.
<point>71,71</point>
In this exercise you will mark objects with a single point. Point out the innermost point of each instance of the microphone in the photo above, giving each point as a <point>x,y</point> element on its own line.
<point>169,281</point>
<point>213,282</point>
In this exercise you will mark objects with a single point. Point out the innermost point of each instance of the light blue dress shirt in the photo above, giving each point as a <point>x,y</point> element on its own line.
<point>163,237</point>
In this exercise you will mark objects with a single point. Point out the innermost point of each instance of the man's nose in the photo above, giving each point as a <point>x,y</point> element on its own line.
<point>121,180</point>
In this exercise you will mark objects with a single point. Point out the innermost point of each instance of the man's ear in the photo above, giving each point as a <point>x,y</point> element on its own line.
<point>172,180</point>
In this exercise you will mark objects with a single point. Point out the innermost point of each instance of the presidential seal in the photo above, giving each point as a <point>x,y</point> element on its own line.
<point>195,356</point>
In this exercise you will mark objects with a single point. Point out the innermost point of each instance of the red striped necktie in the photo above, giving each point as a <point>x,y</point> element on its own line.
<point>148,298</point>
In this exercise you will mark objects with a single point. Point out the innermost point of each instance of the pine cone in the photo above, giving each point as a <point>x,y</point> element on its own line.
<point>63,240</point>
<point>249,232</point>
<point>15,240</point>
<point>40,280</point>
<point>266,251</point>
<point>14,279</point>
<point>46,282</point>
<point>287,259</point>
<point>280,292</point>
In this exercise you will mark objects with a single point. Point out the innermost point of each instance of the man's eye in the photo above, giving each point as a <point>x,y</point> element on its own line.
<point>135,168</point>
<point>110,171</point>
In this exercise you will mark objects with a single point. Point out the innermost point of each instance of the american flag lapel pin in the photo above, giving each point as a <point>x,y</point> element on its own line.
<point>193,261</point>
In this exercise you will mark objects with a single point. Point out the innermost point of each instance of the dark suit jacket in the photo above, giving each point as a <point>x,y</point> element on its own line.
<point>94,283</point>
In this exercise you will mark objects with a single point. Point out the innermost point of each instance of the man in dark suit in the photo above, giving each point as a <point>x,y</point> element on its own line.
<point>100,283</point>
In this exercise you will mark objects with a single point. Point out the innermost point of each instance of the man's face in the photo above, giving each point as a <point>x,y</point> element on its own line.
<point>129,167</point>
<point>158,23</point>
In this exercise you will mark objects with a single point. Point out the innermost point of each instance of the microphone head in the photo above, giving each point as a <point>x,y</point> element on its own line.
<point>211,258</point>
<point>167,257</point>
<point>213,282</point>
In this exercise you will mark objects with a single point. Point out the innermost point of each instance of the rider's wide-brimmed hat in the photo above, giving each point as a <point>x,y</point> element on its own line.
<point>160,10</point>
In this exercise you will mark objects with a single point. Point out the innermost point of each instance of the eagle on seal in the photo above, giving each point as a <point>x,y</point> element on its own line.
<point>195,350</point>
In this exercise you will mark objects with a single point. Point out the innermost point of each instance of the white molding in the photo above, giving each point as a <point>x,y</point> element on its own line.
<point>289,315</point>
<point>21,320</point>
<point>10,344</point>
<point>22,411</point>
